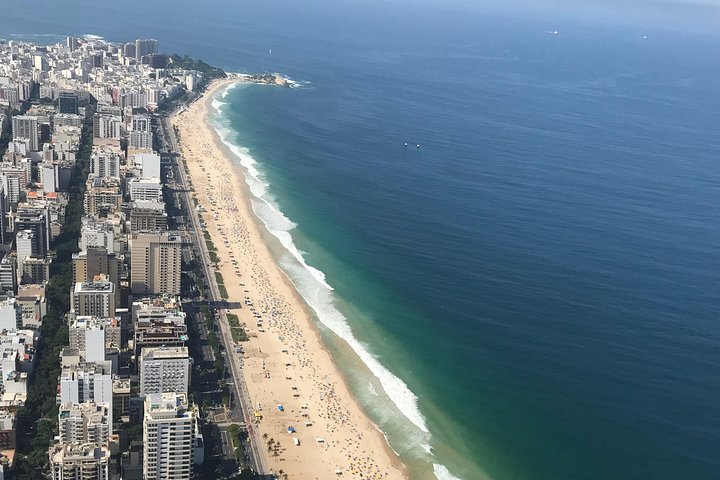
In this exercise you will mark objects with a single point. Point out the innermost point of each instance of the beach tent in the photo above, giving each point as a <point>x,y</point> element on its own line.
<point>281,408</point>
<point>291,429</point>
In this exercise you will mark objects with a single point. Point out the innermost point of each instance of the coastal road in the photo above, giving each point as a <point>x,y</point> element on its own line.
<point>257,454</point>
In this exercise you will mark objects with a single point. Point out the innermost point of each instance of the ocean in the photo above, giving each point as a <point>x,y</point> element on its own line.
<point>532,293</point>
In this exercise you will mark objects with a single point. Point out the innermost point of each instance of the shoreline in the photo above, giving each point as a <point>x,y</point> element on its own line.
<point>285,362</point>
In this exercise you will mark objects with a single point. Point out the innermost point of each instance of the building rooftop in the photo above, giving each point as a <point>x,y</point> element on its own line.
<point>94,286</point>
<point>157,403</point>
<point>67,452</point>
<point>88,322</point>
<point>160,353</point>
<point>148,205</point>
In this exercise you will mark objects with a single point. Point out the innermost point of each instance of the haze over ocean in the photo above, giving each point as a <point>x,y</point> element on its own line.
<point>542,273</point>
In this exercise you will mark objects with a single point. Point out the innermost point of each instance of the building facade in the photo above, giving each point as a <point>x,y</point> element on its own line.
<point>155,262</point>
<point>164,370</point>
<point>168,437</point>
<point>96,298</point>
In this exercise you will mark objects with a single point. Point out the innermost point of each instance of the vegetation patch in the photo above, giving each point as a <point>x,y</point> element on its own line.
<point>185,62</point>
<point>31,460</point>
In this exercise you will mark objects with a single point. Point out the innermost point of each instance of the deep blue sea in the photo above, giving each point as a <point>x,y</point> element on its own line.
<point>534,293</point>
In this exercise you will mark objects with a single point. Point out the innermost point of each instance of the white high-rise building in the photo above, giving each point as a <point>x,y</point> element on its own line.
<point>26,126</point>
<point>164,370</point>
<point>105,164</point>
<point>92,335</point>
<point>11,94</point>
<point>10,315</point>
<point>153,95</point>
<point>140,123</point>
<point>107,126</point>
<point>96,234</point>
<point>85,422</point>
<point>96,298</point>
<point>149,164</point>
<point>25,244</point>
<point>140,140</point>
<point>49,177</point>
<point>11,187</point>
<point>8,273</point>
<point>168,437</point>
<point>145,47</point>
<point>86,382</point>
<point>145,189</point>
<point>79,461</point>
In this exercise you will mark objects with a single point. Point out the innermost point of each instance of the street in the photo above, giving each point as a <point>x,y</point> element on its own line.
<point>242,407</point>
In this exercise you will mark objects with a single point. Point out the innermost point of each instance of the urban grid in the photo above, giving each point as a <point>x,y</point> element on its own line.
<point>96,243</point>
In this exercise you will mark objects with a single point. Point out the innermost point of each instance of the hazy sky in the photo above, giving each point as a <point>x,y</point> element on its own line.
<point>687,10</point>
<point>696,15</point>
<point>680,14</point>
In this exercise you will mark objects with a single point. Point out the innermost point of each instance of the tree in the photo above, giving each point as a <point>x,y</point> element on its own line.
<point>31,459</point>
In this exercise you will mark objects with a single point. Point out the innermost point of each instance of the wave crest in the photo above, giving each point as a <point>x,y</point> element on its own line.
<point>442,473</point>
<point>312,284</point>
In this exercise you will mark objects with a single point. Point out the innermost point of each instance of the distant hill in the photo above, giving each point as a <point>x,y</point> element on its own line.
<point>187,63</point>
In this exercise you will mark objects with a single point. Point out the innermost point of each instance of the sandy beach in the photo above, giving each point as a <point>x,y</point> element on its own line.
<point>286,364</point>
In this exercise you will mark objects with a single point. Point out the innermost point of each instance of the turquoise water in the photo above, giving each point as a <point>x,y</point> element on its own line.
<point>537,285</point>
<point>524,272</point>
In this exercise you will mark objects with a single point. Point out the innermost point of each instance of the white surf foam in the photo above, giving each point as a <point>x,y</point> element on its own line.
<point>36,35</point>
<point>404,399</point>
<point>228,89</point>
<point>442,473</point>
<point>372,389</point>
<point>42,38</point>
<point>279,225</point>
<point>317,292</point>
<point>217,105</point>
